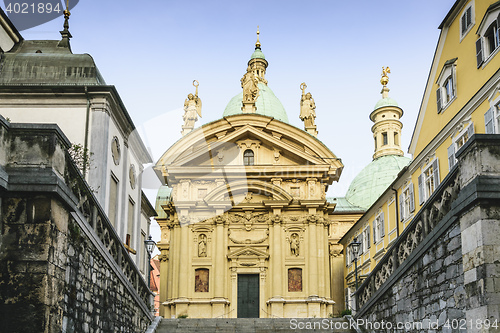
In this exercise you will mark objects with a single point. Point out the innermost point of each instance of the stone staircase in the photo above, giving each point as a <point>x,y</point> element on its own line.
<point>254,325</point>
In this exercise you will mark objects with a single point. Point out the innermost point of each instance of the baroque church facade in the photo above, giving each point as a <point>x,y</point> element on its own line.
<point>246,228</point>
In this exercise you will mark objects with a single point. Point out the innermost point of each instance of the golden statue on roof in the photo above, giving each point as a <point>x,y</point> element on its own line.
<point>385,79</point>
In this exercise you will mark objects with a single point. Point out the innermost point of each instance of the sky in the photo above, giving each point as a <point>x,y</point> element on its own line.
<point>153,50</point>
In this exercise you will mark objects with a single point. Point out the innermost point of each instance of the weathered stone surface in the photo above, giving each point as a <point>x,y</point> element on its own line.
<point>53,276</point>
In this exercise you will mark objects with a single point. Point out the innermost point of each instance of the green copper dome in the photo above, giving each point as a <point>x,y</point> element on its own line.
<point>163,197</point>
<point>257,54</point>
<point>267,104</point>
<point>374,179</point>
<point>385,102</point>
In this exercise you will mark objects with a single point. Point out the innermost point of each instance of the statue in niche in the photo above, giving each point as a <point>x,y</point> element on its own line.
<point>202,246</point>
<point>192,108</point>
<point>307,107</point>
<point>294,244</point>
<point>249,84</point>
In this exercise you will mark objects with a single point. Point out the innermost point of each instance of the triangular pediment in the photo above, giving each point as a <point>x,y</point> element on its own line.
<point>279,148</point>
<point>247,252</point>
<point>207,153</point>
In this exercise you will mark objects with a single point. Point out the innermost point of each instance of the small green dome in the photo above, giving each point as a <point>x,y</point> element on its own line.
<point>374,179</point>
<point>257,54</point>
<point>267,104</point>
<point>385,102</point>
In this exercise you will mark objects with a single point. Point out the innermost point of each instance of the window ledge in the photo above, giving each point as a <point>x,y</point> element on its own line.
<point>491,56</point>
<point>447,104</point>
<point>462,36</point>
<point>379,254</point>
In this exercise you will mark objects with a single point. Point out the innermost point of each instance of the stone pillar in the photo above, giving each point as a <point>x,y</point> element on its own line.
<point>480,227</point>
<point>184,268</point>
<point>313,259</point>
<point>219,267</point>
<point>277,266</point>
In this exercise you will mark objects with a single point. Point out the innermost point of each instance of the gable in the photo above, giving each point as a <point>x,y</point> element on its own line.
<point>221,144</point>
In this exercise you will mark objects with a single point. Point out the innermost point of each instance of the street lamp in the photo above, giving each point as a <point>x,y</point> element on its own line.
<point>150,245</point>
<point>355,248</point>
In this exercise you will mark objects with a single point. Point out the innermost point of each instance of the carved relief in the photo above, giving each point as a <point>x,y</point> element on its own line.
<point>244,237</point>
<point>248,218</point>
<point>383,274</point>
<point>276,155</point>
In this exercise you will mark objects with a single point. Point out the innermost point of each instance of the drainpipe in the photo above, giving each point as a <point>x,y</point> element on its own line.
<point>85,143</point>
<point>397,210</point>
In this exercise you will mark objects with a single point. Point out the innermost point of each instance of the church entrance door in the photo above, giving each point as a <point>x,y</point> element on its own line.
<point>248,296</point>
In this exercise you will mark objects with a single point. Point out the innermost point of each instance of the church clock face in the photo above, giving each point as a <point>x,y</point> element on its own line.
<point>132,176</point>
<point>115,150</point>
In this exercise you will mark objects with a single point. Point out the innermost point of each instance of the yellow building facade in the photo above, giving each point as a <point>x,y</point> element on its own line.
<point>246,229</point>
<point>462,97</point>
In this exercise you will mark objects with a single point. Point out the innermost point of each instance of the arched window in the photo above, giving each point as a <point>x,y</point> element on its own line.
<point>248,157</point>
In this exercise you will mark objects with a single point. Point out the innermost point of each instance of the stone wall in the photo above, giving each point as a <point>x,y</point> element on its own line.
<point>430,291</point>
<point>442,274</point>
<point>62,266</point>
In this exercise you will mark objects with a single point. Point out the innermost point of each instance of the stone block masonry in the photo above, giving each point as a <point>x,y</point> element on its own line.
<point>444,270</point>
<point>62,266</point>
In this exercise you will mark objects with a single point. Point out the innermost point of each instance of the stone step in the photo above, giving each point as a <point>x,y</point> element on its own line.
<point>253,325</point>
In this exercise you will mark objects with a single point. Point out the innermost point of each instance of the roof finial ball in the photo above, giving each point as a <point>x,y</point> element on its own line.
<point>385,79</point>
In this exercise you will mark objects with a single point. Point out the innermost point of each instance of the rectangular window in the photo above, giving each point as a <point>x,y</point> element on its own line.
<point>458,142</point>
<point>428,181</point>
<point>378,228</point>
<point>492,120</point>
<point>130,223</point>
<point>466,20</point>
<point>396,138</point>
<point>113,200</point>
<point>384,138</point>
<point>365,236</point>
<point>406,203</point>
<point>144,255</point>
<point>448,88</point>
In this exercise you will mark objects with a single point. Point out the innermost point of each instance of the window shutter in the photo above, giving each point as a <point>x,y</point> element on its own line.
<point>451,155</point>
<point>412,200</point>
<point>470,130</point>
<point>488,122</point>
<point>420,190</point>
<point>498,30</point>
<point>401,207</point>
<point>435,169</point>
<point>479,51</point>
<point>438,97</point>
<point>375,231</point>
<point>382,225</point>
<point>463,21</point>
<point>469,16</point>
<point>368,237</point>
<point>361,240</point>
